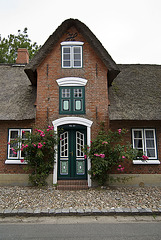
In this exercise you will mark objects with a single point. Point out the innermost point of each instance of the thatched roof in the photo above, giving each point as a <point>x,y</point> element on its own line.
<point>135,94</point>
<point>17,96</point>
<point>54,38</point>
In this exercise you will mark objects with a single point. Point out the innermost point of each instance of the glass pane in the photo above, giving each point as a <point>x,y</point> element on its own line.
<point>66,105</point>
<point>137,134</point>
<point>66,57</point>
<point>64,167</point>
<point>80,144</point>
<point>149,134</point>
<point>78,105</point>
<point>77,63</point>
<point>77,57</point>
<point>66,50</point>
<point>150,143</point>
<point>151,153</point>
<point>13,134</point>
<point>24,132</point>
<point>80,167</point>
<point>64,144</point>
<point>77,93</point>
<point>66,63</point>
<point>66,93</point>
<point>77,50</point>
<point>138,143</point>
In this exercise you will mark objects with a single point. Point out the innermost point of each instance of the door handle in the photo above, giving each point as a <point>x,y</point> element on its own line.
<point>71,153</point>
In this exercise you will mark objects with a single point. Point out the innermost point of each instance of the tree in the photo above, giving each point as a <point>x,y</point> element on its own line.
<point>9,46</point>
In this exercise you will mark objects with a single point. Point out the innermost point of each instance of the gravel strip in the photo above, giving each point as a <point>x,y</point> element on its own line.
<point>108,198</point>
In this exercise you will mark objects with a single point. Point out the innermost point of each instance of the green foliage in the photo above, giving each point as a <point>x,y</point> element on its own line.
<point>39,151</point>
<point>10,45</point>
<point>107,150</point>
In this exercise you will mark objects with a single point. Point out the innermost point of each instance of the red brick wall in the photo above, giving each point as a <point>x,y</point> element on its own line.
<point>130,168</point>
<point>96,93</point>
<point>4,126</point>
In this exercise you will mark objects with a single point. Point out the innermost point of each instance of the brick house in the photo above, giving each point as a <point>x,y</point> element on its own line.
<point>74,84</point>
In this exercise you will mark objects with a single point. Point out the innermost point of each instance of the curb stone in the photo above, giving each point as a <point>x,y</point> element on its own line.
<point>79,212</point>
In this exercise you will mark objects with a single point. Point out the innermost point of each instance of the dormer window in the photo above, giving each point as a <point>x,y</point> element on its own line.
<point>72,54</point>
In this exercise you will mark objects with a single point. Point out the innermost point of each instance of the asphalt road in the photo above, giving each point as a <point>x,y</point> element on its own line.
<point>81,228</point>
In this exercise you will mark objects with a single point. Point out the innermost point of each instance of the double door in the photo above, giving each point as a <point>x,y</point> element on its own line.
<point>72,163</point>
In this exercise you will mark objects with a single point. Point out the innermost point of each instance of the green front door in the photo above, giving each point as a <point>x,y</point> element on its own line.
<point>72,164</point>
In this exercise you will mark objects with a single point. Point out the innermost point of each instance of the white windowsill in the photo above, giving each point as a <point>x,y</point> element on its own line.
<point>14,162</point>
<point>146,161</point>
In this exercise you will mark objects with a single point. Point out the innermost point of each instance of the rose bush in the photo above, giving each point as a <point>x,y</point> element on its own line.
<point>39,151</point>
<point>106,151</point>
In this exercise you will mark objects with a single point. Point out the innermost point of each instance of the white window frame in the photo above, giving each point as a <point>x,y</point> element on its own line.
<point>16,159</point>
<point>151,160</point>
<point>71,46</point>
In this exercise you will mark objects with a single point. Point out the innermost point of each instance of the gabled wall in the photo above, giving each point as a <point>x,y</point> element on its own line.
<point>96,90</point>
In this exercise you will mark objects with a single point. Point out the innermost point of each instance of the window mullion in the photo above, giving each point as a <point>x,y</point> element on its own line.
<point>72,57</point>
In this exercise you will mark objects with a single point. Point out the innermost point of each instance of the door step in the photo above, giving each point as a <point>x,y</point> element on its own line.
<point>72,185</point>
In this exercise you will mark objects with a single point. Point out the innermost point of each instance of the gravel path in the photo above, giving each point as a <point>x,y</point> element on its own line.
<point>124,197</point>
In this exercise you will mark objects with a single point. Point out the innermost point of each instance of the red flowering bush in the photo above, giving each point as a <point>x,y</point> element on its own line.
<point>39,151</point>
<point>106,151</point>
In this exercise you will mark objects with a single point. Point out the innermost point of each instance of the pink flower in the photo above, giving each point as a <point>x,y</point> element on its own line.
<point>8,143</point>
<point>97,155</point>
<point>119,130</point>
<point>60,138</point>
<point>104,142</point>
<point>34,144</point>
<point>44,143</point>
<point>85,156</point>
<point>120,168</point>
<point>23,131</point>
<point>102,155</point>
<point>40,145</point>
<point>123,157</point>
<point>42,135</point>
<point>145,157</point>
<point>22,160</point>
<point>48,130</point>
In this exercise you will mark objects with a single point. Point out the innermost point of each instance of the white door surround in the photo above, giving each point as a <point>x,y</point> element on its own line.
<point>73,120</point>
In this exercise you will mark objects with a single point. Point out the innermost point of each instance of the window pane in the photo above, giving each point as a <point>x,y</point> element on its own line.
<point>77,50</point>
<point>137,134</point>
<point>13,134</point>
<point>66,63</point>
<point>138,144</point>
<point>77,56</point>
<point>66,93</point>
<point>149,134</point>
<point>66,50</point>
<point>66,57</point>
<point>77,93</point>
<point>78,105</point>
<point>77,63</point>
<point>150,144</point>
<point>151,152</point>
<point>65,105</point>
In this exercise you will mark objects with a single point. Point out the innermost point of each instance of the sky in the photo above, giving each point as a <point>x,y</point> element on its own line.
<point>130,30</point>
